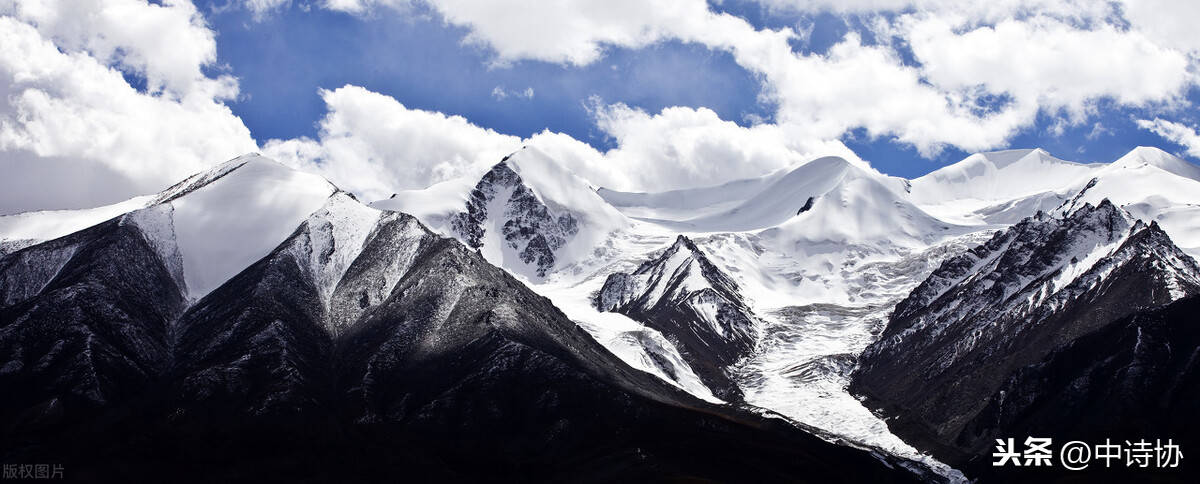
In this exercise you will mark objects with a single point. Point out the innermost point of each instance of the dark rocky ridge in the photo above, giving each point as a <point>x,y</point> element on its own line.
<point>442,368</point>
<point>530,227</point>
<point>1136,378</point>
<point>693,304</point>
<point>951,346</point>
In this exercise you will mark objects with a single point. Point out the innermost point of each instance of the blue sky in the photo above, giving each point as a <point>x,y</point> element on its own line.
<point>282,59</point>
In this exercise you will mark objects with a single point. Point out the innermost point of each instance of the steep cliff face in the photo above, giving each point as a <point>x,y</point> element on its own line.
<point>1032,289</point>
<point>527,226</point>
<point>695,305</point>
<point>84,321</point>
<point>1136,378</point>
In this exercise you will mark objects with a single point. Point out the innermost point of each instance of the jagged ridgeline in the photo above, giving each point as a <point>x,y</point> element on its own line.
<point>530,228</point>
<point>695,305</point>
<point>966,358</point>
<point>214,334</point>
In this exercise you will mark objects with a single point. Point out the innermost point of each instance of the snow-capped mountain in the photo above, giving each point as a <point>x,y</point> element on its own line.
<point>983,181</point>
<point>1150,185</point>
<point>357,332</point>
<point>179,221</point>
<point>826,199</point>
<point>1155,157</point>
<point>1000,189</point>
<point>1030,290</point>
<point>255,291</point>
<point>699,309</point>
<point>526,214</point>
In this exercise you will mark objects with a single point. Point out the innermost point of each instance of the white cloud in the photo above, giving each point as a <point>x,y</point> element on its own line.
<point>66,108</point>
<point>373,145</point>
<point>1047,63</point>
<point>988,11</point>
<point>1097,131</point>
<point>568,31</point>
<point>684,147</point>
<point>500,94</point>
<point>1042,56</point>
<point>259,8</point>
<point>67,112</point>
<point>1177,133</point>
<point>168,44</point>
<point>1171,23</point>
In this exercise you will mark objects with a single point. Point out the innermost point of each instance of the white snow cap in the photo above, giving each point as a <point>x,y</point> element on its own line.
<point>997,176</point>
<point>561,189</point>
<point>238,216</point>
<point>1151,156</point>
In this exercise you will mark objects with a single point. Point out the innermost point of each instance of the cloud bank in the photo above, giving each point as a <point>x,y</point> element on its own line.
<point>131,94</point>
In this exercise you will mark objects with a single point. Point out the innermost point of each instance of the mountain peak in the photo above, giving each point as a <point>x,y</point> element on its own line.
<point>997,176</point>
<point>983,315</point>
<point>529,214</point>
<point>691,301</point>
<point>1143,156</point>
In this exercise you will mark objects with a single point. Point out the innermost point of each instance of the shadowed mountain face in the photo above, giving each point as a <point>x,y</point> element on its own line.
<point>83,322</point>
<point>1136,378</point>
<point>359,349</point>
<point>695,305</point>
<point>960,339</point>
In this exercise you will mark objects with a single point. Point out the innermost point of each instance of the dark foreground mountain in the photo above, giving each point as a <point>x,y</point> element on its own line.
<point>695,305</point>
<point>1134,380</point>
<point>963,350</point>
<point>362,348</point>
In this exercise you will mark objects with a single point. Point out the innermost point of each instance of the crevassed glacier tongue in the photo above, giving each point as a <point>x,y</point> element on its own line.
<point>802,367</point>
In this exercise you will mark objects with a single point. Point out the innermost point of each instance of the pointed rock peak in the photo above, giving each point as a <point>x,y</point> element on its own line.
<point>681,241</point>
<point>682,244</point>
<point>503,173</point>
<point>1139,225</point>
<point>1106,213</point>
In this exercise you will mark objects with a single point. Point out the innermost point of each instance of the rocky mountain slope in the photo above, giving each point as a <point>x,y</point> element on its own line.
<point>526,213</point>
<point>1135,377</point>
<point>362,346</point>
<point>951,345</point>
<point>695,305</point>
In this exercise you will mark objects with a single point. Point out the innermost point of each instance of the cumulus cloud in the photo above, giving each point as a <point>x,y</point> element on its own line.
<point>1177,133</point>
<point>67,110</point>
<point>373,145</point>
<point>931,73</point>
<point>683,147</point>
<point>1168,22</point>
<point>167,44</point>
<point>568,31</point>
<point>982,71</point>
